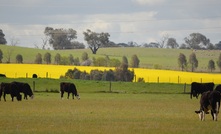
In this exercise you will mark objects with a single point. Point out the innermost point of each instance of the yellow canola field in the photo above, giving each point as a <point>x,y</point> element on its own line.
<point>149,75</point>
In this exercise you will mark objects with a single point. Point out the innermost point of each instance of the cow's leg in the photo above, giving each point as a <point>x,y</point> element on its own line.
<point>25,96</point>
<point>68,95</point>
<point>12,97</point>
<point>4,96</point>
<point>213,114</point>
<point>62,93</point>
<point>72,95</point>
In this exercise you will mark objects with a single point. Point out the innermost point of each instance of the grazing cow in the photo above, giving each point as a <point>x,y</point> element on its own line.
<point>209,100</point>
<point>199,88</point>
<point>69,88</point>
<point>10,88</point>
<point>24,88</point>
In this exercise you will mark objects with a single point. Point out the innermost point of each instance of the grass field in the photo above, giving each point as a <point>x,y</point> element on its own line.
<point>149,57</point>
<point>129,108</point>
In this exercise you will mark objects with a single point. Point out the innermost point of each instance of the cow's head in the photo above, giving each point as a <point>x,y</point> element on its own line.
<point>78,96</point>
<point>19,97</point>
<point>193,93</point>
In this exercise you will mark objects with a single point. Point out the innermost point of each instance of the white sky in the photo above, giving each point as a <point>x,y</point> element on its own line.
<point>141,21</point>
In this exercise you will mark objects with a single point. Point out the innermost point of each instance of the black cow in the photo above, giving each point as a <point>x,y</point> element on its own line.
<point>69,88</point>
<point>24,88</point>
<point>199,88</point>
<point>10,88</point>
<point>209,100</point>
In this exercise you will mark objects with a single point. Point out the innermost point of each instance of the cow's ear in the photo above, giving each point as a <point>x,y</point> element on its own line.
<point>197,112</point>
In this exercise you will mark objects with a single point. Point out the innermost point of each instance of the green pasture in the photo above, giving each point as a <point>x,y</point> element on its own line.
<point>149,57</point>
<point>129,108</point>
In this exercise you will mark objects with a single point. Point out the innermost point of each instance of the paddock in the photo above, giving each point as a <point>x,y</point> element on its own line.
<point>100,112</point>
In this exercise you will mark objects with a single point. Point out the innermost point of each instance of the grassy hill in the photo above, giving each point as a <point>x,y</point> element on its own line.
<point>149,57</point>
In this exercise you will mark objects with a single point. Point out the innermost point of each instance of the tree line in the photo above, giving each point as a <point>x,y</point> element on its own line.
<point>71,60</point>
<point>59,38</point>
<point>192,63</point>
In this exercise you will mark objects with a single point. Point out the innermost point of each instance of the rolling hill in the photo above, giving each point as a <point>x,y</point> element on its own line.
<point>149,57</point>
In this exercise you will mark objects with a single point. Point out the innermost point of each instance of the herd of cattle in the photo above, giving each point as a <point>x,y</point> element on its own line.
<point>210,99</point>
<point>16,88</point>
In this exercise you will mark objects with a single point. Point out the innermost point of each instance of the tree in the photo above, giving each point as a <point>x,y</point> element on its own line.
<point>57,59</point>
<point>124,63</point>
<point>193,61</point>
<point>197,41</point>
<point>135,61</point>
<point>2,37</point>
<point>38,59</point>
<point>60,38</point>
<point>14,41</point>
<point>47,58</point>
<point>171,43</point>
<point>1,56</point>
<point>211,65</point>
<point>96,40</point>
<point>71,59</point>
<point>162,43</point>
<point>84,56</point>
<point>219,62</point>
<point>182,61</point>
<point>218,45</point>
<point>19,58</point>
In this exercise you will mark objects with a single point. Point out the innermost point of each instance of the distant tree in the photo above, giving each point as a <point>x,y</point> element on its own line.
<point>14,41</point>
<point>124,63</point>
<point>171,43</point>
<point>218,45</point>
<point>211,65</point>
<point>38,59</point>
<point>135,61</point>
<point>182,61</point>
<point>76,45</point>
<point>2,37</point>
<point>162,42</point>
<point>71,59</point>
<point>219,62</point>
<point>193,61</point>
<point>114,62</point>
<point>96,40</point>
<point>1,56</point>
<point>19,58</point>
<point>60,38</point>
<point>76,61</point>
<point>47,58</point>
<point>84,56</point>
<point>57,59</point>
<point>64,61</point>
<point>197,41</point>
<point>152,45</point>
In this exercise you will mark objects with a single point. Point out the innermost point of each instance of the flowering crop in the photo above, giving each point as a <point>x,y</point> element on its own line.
<point>149,75</point>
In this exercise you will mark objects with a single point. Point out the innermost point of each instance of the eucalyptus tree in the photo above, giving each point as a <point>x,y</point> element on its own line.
<point>96,40</point>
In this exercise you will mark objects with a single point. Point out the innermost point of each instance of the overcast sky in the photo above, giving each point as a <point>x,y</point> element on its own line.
<point>141,21</point>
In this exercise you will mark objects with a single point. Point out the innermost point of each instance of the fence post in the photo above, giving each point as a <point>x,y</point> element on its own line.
<point>178,79</point>
<point>110,86</point>
<point>158,79</point>
<point>34,86</point>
